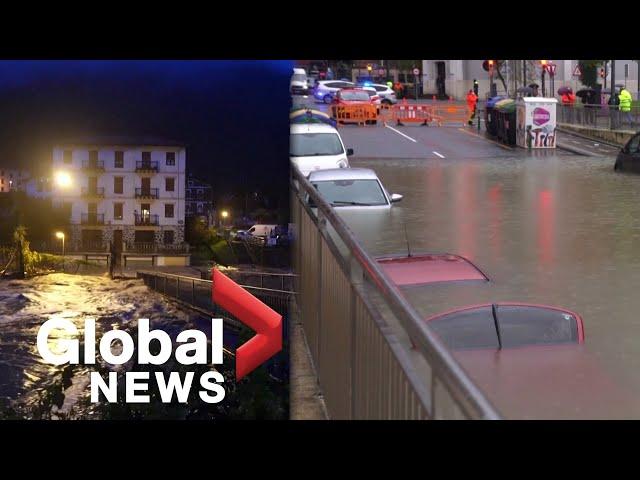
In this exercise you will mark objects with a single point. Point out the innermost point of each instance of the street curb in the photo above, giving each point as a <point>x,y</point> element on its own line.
<point>579,151</point>
<point>586,137</point>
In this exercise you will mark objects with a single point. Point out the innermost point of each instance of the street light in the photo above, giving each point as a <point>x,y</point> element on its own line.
<point>224,214</point>
<point>62,179</point>
<point>60,235</point>
<point>543,63</point>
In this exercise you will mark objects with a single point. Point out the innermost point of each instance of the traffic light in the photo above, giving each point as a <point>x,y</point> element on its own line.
<point>487,65</point>
<point>602,73</point>
<point>475,86</point>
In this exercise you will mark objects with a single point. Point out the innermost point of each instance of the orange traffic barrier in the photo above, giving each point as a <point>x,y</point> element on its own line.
<point>412,113</point>
<point>448,113</point>
<point>359,113</point>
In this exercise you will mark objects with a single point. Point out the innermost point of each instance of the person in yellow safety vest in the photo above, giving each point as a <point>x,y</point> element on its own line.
<point>625,104</point>
<point>472,101</point>
<point>390,84</point>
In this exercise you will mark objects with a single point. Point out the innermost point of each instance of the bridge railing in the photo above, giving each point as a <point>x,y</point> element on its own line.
<point>374,355</point>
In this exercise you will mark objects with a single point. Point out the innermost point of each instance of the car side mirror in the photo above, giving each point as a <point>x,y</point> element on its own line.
<point>349,152</point>
<point>396,197</point>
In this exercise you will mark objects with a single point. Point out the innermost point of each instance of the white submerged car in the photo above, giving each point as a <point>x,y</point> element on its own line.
<point>317,146</point>
<point>353,188</point>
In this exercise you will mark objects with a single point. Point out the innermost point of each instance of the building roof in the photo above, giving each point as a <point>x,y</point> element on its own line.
<point>124,140</point>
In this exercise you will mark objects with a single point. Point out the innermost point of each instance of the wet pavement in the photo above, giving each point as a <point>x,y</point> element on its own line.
<point>547,227</point>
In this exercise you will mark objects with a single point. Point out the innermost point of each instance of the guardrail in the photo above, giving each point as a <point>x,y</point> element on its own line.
<point>608,117</point>
<point>360,329</point>
<point>196,292</point>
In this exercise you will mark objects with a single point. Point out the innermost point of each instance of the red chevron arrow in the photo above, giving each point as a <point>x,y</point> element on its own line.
<point>253,313</point>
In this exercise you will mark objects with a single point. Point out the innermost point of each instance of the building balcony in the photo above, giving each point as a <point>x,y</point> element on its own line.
<point>146,220</point>
<point>92,219</point>
<point>92,192</point>
<point>93,165</point>
<point>146,193</point>
<point>146,166</point>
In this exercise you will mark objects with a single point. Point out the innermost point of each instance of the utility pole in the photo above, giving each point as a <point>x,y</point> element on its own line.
<point>524,73</point>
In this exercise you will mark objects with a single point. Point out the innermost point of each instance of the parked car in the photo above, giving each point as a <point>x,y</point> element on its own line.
<point>299,84</point>
<point>317,146</point>
<point>386,94</point>
<point>373,94</point>
<point>354,96</point>
<point>325,90</point>
<point>352,188</point>
<point>629,157</point>
<point>262,230</point>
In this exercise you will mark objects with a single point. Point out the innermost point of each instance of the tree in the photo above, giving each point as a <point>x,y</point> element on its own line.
<point>589,71</point>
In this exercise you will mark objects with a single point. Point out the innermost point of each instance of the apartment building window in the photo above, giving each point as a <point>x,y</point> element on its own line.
<point>171,159</point>
<point>168,210</point>
<point>117,211</point>
<point>168,237</point>
<point>119,161</point>
<point>93,157</point>
<point>66,156</point>
<point>117,184</point>
<point>146,157</point>
<point>169,184</point>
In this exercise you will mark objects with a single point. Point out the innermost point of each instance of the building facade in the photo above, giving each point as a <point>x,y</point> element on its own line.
<point>199,200</point>
<point>12,179</point>
<point>455,77</point>
<point>129,191</point>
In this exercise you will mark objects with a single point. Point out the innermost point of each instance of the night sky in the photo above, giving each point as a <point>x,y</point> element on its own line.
<point>232,115</point>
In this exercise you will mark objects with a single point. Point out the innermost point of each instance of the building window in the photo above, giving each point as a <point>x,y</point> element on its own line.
<point>146,157</point>
<point>119,161</point>
<point>169,184</point>
<point>117,184</point>
<point>93,156</point>
<point>168,237</point>
<point>117,211</point>
<point>199,208</point>
<point>168,210</point>
<point>66,156</point>
<point>171,159</point>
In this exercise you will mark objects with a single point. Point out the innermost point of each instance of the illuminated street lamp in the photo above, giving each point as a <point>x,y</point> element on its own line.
<point>224,214</point>
<point>62,179</point>
<point>60,235</point>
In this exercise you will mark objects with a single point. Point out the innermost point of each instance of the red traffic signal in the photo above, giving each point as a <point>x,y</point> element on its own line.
<point>488,65</point>
<point>602,72</point>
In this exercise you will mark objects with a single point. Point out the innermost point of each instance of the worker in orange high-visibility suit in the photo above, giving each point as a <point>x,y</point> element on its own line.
<point>472,102</point>
<point>568,98</point>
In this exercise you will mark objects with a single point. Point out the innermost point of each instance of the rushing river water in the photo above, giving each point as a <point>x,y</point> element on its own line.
<point>556,230</point>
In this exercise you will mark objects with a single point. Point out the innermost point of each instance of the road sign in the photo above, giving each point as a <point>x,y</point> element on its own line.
<point>381,72</point>
<point>416,71</point>
<point>576,71</point>
<point>551,68</point>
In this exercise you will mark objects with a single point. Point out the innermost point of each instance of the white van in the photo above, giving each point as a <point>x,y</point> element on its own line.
<point>317,146</point>
<point>262,230</point>
<point>299,82</point>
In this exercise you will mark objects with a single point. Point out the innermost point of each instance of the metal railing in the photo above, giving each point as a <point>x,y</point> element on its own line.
<point>150,247</point>
<point>272,280</point>
<point>608,117</point>
<point>146,193</point>
<point>196,292</point>
<point>92,165</point>
<point>92,219</point>
<point>92,192</point>
<point>144,219</point>
<point>374,355</point>
<point>146,166</point>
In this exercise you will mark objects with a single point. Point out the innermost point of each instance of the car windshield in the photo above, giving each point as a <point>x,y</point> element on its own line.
<point>315,144</point>
<point>298,77</point>
<point>355,96</point>
<point>351,192</point>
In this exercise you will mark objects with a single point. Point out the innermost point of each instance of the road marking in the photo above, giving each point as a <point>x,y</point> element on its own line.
<point>441,156</point>
<point>400,133</point>
<point>486,139</point>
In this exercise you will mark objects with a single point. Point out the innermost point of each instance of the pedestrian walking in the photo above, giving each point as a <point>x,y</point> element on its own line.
<point>472,102</point>
<point>625,105</point>
<point>568,98</point>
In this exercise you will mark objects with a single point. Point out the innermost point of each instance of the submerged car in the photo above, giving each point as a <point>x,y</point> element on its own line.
<point>317,146</point>
<point>353,188</point>
<point>629,157</point>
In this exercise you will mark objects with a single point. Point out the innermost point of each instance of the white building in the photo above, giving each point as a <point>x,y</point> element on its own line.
<point>129,191</point>
<point>456,76</point>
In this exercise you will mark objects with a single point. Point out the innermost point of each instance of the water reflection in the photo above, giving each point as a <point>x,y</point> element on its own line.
<point>551,229</point>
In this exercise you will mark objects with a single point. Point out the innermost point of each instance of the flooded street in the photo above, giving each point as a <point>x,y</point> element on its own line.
<point>551,229</point>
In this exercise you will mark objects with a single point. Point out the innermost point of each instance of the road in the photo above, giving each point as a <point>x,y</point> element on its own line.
<point>548,227</point>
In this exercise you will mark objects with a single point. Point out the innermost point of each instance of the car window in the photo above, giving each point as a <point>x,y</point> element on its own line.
<point>252,229</point>
<point>371,93</point>
<point>380,88</point>
<point>345,84</point>
<point>351,192</point>
<point>634,143</point>
<point>314,144</point>
<point>332,84</point>
<point>354,96</point>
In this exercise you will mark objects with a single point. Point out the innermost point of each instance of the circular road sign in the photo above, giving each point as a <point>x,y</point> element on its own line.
<point>416,71</point>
